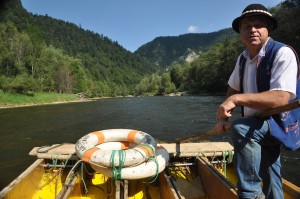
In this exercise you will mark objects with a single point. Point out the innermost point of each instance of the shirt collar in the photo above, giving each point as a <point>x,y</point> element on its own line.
<point>260,54</point>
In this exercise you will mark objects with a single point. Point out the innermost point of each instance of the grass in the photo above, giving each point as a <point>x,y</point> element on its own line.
<point>13,99</point>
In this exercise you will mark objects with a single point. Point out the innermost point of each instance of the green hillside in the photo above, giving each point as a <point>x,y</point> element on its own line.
<point>166,50</point>
<point>210,70</point>
<point>42,54</point>
<point>54,55</point>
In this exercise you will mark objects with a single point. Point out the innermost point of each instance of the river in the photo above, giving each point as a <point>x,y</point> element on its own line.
<point>165,118</point>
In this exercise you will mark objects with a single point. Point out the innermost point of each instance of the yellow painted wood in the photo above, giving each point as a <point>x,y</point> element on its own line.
<point>181,150</point>
<point>38,182</point>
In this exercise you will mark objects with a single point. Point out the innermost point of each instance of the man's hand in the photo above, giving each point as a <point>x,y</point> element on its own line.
<point>225,109</point>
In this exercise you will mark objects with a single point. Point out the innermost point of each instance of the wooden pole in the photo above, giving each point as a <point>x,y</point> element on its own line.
<point>272,111</point>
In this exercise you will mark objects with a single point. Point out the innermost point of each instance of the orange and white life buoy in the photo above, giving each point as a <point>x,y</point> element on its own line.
<point>115,145</point>
<point>146,169</point>
<point>87,150</point>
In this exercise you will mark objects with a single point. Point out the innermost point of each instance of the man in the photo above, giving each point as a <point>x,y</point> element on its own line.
<point>265,76</point>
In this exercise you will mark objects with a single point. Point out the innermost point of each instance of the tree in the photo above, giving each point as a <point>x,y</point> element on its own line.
<point>177,75</point>
<point>166,85</point>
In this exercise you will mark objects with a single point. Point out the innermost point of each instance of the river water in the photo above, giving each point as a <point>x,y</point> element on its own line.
<point>165,118</point>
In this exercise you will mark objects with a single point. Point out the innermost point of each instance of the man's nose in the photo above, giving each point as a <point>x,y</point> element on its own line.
<point>253,29</point>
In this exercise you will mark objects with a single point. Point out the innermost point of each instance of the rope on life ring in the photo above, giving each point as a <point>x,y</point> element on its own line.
<point>150,168</point>
<point>87,147</point>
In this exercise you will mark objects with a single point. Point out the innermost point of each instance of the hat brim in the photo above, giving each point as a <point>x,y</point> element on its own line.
<point>236,22</point>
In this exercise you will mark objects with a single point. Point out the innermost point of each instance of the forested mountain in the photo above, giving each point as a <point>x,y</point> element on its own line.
<point>209,72</point>
<point>42,54</point>
<point>166,50</point>
<point>73,59</point>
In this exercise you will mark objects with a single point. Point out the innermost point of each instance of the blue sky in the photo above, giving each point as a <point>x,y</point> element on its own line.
<point>133,23</point>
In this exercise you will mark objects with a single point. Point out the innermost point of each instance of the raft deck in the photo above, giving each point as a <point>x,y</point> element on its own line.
<point>67,151</point>
<point>187,173</point>
<point>181,187</point>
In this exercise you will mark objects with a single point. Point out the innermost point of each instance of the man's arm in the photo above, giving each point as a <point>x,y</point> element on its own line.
<point>261,101</point>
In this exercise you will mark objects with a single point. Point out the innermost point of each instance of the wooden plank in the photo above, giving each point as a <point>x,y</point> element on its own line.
<point>191,189</point>
<point>26,183</point>
<point>125,189</point>
<point>69,188</point>
<point>215,185</point>
<point>57,156</point>
<point>291,191</point>
<point>167,190</point>
<point>177,189</point>
<point>62,151</point>
<point>118,190</point>
<point>197,149</point>
<point>56,151</point>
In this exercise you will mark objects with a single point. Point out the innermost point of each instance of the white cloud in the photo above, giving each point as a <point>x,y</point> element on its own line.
<point>192,29</point>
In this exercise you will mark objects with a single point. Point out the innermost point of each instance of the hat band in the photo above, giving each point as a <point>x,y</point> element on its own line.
<point>252,11</point>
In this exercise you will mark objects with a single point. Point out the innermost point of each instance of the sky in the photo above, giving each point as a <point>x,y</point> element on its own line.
<point>133,23</point>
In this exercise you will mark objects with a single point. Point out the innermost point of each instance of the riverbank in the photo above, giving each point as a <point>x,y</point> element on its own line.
<point>12,100</point>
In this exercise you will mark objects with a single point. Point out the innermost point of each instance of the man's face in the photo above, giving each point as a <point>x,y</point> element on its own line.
<point>254,32</point>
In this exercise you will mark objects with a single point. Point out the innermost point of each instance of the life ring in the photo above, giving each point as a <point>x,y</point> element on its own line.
<point>115,145</point>
<point>146,169</point>
<point>87,150</point>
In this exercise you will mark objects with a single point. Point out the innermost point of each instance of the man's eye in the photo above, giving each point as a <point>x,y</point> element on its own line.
<point>246,26</point>
<point>259,25</point>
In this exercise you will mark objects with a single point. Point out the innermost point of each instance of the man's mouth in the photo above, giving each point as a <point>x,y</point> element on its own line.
<point>252,37</point>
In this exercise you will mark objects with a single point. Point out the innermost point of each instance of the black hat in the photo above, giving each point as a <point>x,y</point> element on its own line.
<point>254,10</point>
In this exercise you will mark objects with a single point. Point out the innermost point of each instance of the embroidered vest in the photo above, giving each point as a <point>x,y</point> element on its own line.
<point>283,126</point>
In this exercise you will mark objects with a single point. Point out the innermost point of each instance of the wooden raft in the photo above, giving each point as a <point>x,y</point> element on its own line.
<point>56,151</point>
<point>67,151</point>
<point>197,149</point>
